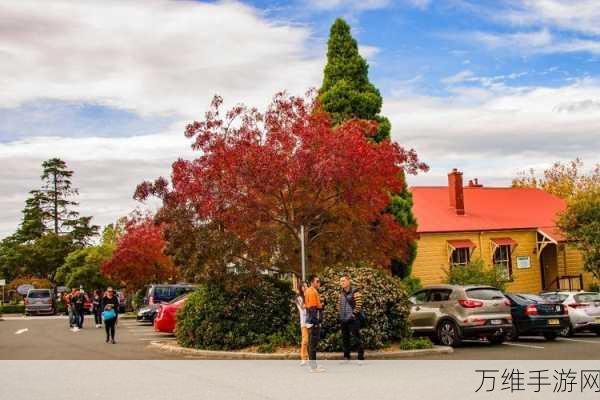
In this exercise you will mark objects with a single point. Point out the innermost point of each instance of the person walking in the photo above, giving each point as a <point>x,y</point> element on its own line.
<point>110,313</point>
<point>71,309</point>
<point>312,303</point>
<point>300,288</point>
<point>351,314</point>
<point>96,309</point>
<point>79,303</point>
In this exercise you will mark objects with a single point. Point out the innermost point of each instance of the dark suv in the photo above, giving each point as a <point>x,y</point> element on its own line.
<point>158,294</point>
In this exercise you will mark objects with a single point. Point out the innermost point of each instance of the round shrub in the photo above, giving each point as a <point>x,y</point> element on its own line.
<point>235,311</point>
<point>385,303</point>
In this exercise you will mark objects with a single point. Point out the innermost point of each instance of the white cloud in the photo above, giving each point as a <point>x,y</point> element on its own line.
<point>580,15</point>
<point>495,132</point>
<point>162,57</point>
<point>458,77</point>
<point>357,5</point>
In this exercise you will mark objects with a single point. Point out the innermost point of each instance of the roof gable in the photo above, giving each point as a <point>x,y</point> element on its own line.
<point>486,208</point>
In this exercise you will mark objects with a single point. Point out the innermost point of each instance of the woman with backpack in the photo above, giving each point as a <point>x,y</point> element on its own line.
<point>110,313</point>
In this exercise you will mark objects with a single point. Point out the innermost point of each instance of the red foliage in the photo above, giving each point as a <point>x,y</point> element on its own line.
<point>261,176</point>
<point>139,257</point>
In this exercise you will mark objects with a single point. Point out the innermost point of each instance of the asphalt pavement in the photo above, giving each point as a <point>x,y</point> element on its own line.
<point>49,338</point>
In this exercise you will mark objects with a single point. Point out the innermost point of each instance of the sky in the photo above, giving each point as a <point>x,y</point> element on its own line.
<point>490,87</point>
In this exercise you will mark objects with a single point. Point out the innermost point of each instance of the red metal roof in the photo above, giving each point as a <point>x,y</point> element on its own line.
<point>554,233</point>
<point>486,209</point>
<point>461,244</point>
<point>504,241</point>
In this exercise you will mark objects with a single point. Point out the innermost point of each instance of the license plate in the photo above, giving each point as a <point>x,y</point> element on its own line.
<point>496,322</point>
<point>553,322</point>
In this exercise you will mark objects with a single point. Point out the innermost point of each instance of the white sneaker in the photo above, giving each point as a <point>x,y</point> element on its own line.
<point>303,363</point>
<point>317,370</point>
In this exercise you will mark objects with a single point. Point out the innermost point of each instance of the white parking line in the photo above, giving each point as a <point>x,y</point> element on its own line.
<point>524,345</point>
<point>579,340</point>
<point>21,331</point>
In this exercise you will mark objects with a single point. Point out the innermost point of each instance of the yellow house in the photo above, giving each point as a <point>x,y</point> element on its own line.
<point>510,227</point>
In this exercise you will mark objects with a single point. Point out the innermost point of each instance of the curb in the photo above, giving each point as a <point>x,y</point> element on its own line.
<point>241,355</point>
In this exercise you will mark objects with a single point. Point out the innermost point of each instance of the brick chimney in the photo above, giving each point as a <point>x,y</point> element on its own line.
<point>455,189</point>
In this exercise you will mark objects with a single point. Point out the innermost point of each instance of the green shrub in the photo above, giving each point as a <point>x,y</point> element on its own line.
<point>594,287</point>
<point>415,343</point>
<point>266,348</point>
<point>476,273</point>
<point>236,311</point>
<point>13,309</point>
<point>385,302</point>
<point>412,284</point>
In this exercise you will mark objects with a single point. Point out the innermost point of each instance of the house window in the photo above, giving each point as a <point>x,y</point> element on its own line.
<point>461,256</point>
<point>503,259</point>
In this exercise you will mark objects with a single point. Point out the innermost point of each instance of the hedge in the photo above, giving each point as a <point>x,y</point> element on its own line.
<point>12,309</point>
<point>237,311</point>
<point>385,303</point>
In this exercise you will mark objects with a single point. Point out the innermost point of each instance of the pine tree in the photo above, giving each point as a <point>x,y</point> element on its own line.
<point>347,93</point>
<point>32,226</point>
<point>56,191</point>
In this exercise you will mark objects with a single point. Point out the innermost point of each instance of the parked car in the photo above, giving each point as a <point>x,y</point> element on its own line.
<point>158,294</point>
<point>40,301</point>
<point>452,313</point>
<point>166,320</point>
<point>535,316</point>
<point>583,309</point>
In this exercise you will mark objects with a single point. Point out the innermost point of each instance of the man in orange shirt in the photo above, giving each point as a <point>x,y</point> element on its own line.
<point>312,303</point>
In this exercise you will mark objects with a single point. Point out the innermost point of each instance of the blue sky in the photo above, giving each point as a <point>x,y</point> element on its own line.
<point>490,87</point>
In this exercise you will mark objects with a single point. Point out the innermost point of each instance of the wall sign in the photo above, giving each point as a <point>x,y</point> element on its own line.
<point>523,262</point>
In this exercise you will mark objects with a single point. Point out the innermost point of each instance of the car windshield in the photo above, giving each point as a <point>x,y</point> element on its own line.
<point>587,297</point>
<point>38,294</point>
<point>485,294</point>
<point>555,297</point>
<point>179,298</point>
<point>531,298</point>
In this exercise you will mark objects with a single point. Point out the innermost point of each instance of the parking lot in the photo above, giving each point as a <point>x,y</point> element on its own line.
<point>49,338</point>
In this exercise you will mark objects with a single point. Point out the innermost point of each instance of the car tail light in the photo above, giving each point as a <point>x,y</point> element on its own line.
<point>578,305</point>
<point>565,309</point>
<point>507,302</point>
<point>50,300</point>
<point>531,310</point>
<point>26,301</point>
<point>478,321</point>
<point>468,303</point>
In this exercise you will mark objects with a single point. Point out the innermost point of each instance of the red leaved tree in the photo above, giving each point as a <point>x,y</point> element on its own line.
<point>260,177</point>
<point>139,257</point>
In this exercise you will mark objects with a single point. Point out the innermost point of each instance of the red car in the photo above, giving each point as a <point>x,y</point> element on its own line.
<point>166,320</point>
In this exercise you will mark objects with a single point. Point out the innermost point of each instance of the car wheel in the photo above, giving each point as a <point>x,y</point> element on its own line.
<point>512,334</point>
<point>497,339</point>
<point>448,334</point>
<point>550,335</point>
<point>566,332</point>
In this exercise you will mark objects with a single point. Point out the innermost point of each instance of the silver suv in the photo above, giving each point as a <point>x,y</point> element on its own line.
<point>452,313</point>
<point>39,301</point>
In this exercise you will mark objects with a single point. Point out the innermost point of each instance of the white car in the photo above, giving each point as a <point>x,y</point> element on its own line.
<point>584,310</point>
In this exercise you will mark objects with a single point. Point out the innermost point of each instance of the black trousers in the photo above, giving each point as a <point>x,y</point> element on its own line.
<point>313,342</point>
<point>97,316</point>
<point>351,329</point>
<point>79,315</point>
<point>109,326</point>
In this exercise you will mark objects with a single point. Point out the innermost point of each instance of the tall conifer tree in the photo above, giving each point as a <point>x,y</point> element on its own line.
<point>347,93</point>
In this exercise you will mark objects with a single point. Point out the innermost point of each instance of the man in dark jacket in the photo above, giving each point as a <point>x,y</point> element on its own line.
<point>78,302</point>
<point>350,306</point>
